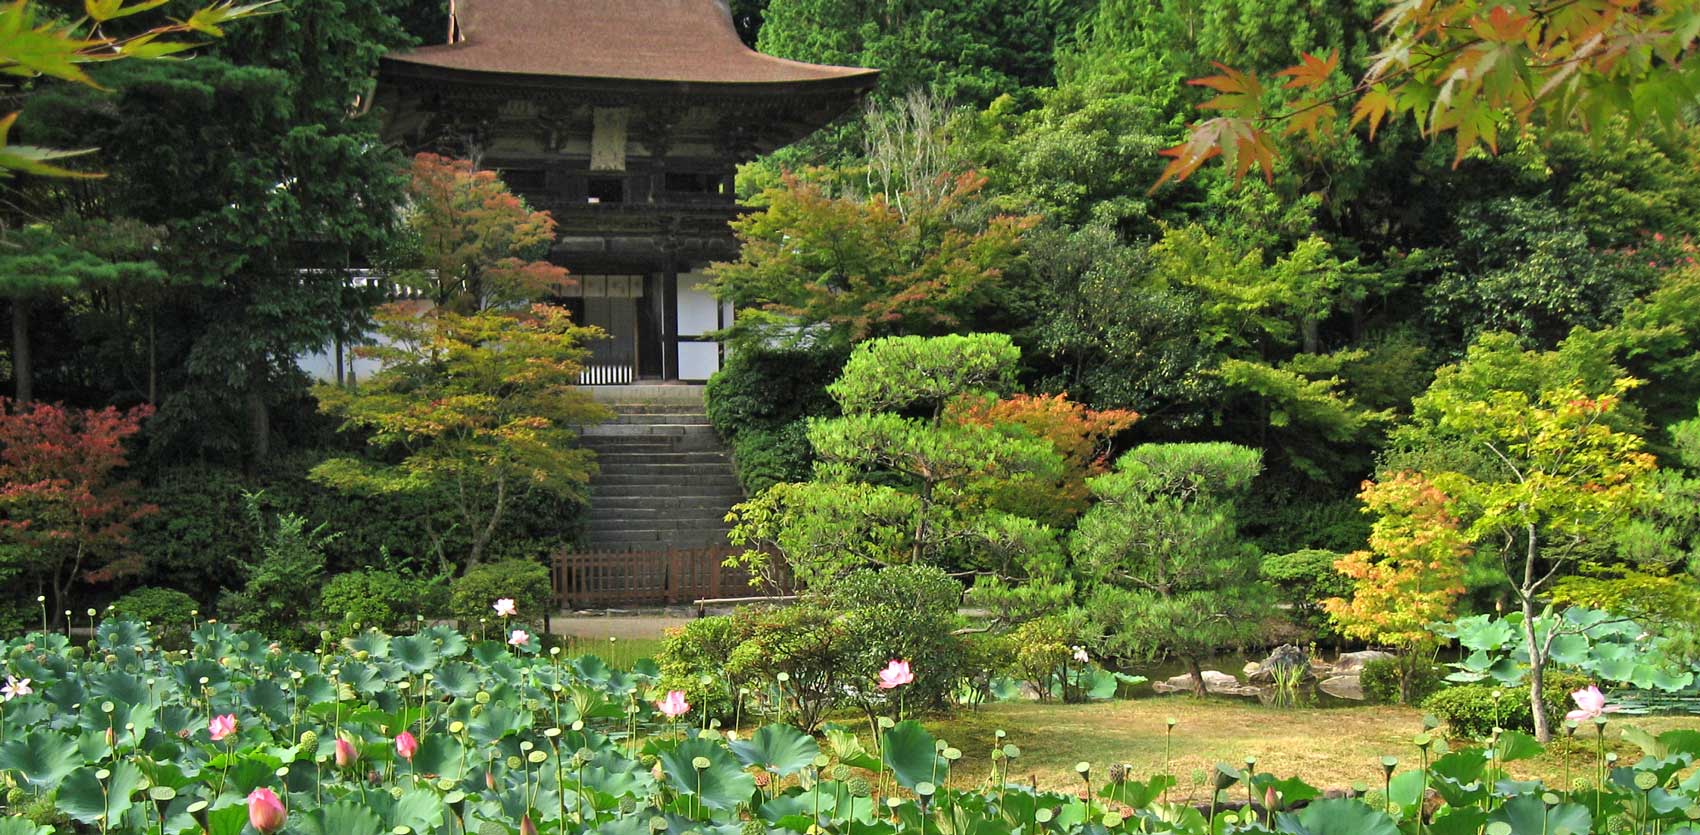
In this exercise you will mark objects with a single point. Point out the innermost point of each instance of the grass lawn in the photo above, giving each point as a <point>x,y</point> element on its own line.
<point>1329,748</point>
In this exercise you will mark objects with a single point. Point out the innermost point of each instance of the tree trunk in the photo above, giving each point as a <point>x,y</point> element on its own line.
<point>153,359</point>
<point>1197,676</point>
<point>22,375</point>
<point>259,425</point>
<point>1537,673</point>
<point>1310,329</point>
<point>921,521</point>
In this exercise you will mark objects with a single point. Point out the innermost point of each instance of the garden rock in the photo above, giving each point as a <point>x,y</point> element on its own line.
<point>1215,682</point>
<point>1343,687</point>
<point>1285,656</point>
<point>1353,662</point>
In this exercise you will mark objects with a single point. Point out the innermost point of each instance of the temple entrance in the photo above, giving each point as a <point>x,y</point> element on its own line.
<point>609,302</point>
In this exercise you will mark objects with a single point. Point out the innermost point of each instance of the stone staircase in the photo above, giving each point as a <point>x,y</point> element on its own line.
<point>666,480</point>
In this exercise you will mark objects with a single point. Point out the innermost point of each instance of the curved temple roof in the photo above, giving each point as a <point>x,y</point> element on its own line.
<point>663,41</point>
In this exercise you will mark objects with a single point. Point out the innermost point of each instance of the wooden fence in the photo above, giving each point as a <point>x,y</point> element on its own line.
<point>634,578</point>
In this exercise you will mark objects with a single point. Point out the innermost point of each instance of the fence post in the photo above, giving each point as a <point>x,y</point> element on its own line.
<point>674,581</point>
<point>712,557</point>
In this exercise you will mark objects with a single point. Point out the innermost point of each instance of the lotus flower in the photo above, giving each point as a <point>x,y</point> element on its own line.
<point>346,755</point>
<point>519,639</point>
<point>406,745</point>
<point>674,706</point>
<point>265,811</point>
<point>505,607</point>
<point>222,726</point>
<point>526,827</point>
<point>1081,656</point>
<point>14,688</point>
<point>895,675</point>
<point>1590,704</point>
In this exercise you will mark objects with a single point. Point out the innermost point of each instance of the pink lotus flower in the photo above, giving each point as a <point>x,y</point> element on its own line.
<point>222,726</point>
<point>895,675</point>
<point>1590,704</point>
<point>505,607</point>
<point>674,706</point>
<point>346,755</point>
<point>519,639</point>
<point>406,745</point>
<point>265,811</point>
<point>14,688</point>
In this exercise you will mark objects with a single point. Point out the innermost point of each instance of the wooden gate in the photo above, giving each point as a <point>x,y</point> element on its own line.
<point>634,578</point>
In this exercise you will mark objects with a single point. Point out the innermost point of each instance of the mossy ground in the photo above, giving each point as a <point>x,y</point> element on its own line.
<point>1328,748</point>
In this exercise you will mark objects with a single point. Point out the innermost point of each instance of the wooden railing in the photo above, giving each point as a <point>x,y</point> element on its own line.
<point>634,578</point>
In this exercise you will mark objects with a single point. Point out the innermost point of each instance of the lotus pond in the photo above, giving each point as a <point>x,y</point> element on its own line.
<point>434,734</point>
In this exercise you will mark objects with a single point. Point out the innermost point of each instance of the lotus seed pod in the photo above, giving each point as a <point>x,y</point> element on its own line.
<point>841,772</point>
<point>754,826</point>
<point>362,655</point>
<point>309,740</point>
<point>859,787</point>
<point>763,779</point>
<point>76,653</point>
<point>111,659</point>
<point>16,796</point>
<point>482,697</point>
<point>628,805</point>
<point>1118,773</point>
<point>515,763</point>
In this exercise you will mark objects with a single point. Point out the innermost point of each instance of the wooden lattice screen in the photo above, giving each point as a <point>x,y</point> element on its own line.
<point>632,578</point>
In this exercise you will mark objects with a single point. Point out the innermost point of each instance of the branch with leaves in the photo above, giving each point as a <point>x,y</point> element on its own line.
<point>35,44</point>
<point>1469,68</point>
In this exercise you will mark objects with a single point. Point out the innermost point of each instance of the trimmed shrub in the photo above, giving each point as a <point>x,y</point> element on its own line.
<point>165,611</point>
<point>805,641</point>
<point>906,612</point>
<point>1380,680</point>
<point>765,457</point>
<point>472,595</point>
<point>1302,580</point>
<point>385,600</point>
<point>1474,710</point>
<point>691,658</point>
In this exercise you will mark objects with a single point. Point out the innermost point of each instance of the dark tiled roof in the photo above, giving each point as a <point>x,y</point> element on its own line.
<point>689,41</point>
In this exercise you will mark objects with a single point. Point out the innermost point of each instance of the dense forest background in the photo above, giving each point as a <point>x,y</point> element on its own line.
<point>1305,316</point>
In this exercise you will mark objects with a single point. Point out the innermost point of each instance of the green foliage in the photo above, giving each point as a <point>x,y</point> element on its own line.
<point>898,482</point>
<point>808,643</point>
<point>765,457</point>
<point>691,660</point>
<point>525,581</point>
<point>165,611</point>
<point>1302,580</point>
<point>282,587</point>
<point>758,400</point>
<point>392,599</point>
<point>1475,710</point>
<point>1382,679</point>
<point>814,268</point>
<point>1166,568</point>
<point>905,612</point>
<point>475,409</point>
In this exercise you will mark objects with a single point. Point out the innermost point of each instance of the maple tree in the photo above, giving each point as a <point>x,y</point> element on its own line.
<point>1466,67</point>
<point>1080,434</point>
<point>860,268</point>
<point>65,516</point>
<point>477,243</point>
<point>1412,576</point>
<point>470,410</point>
<point>1563,481</point>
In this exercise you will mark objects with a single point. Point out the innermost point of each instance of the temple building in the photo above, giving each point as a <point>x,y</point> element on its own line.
<point>625,119</point>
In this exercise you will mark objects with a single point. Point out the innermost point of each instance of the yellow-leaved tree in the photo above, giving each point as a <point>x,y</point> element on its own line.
<point>1411,577</point>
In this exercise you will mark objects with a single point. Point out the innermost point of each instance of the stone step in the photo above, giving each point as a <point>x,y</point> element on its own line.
<point>654,443</point>
<point>668,471</point>
<point>660,418</point>
<point>616,459</point>
<point>685,480</point>
<point>665,503</point>
<point>643,430</point>
<point>657,537</point>
<point>619,526</point>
